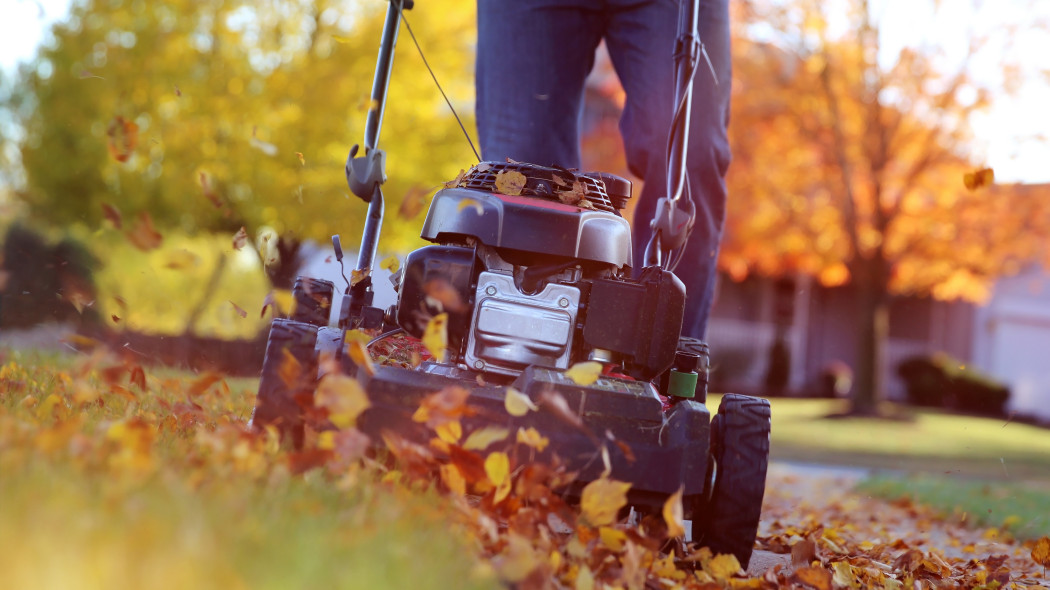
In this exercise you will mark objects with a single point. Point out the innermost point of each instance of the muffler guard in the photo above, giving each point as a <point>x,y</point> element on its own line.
<point>656,450</point>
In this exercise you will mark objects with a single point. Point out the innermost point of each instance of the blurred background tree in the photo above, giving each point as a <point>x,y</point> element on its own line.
<point>857,166</point>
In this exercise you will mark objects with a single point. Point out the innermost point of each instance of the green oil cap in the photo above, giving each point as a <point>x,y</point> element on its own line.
<point>681,384</point>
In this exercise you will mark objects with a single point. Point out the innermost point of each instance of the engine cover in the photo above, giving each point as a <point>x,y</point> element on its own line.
<point>535,221</point>
<point>511,330</point>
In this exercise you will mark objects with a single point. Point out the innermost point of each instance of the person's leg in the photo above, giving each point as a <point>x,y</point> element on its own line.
<point>641,38</point>
<point>532,59</point>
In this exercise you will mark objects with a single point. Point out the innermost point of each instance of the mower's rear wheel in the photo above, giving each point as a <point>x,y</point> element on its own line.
<point>289,372</point>
<point>740,449</point>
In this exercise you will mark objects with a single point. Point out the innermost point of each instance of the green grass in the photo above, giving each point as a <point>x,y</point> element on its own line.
<point>923,441</point>
<point>1021,508</point>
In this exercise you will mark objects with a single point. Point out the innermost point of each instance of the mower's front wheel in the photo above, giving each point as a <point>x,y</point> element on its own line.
<point>740,449</point>
<point>289,372</point>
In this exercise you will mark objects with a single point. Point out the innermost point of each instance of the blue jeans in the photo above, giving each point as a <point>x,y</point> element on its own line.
<point>532,59</point>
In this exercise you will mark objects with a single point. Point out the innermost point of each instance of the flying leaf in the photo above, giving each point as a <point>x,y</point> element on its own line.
<point>240,311</point>
<point>531,437</point>
<point>725,566</point>
<point>240,239</point>
<point>442,295</point>
<point>602,500</point>
<point>359,354</point>
<point>143,235</point>
<point>435,337</point>
<point>978,179</point>
<point>290,369</point>
<point>449,432</point>
<point>585,373</point>
<point>182,259</point>
<point>497,468</point>
<point>517,403</point>
<point>209,191</point>
<point>391,263</point>
<point>413,201</point>
<point>481,439</point>
<point>112,214</point>
<point>302,159</point>
<point>555,403</point>
<point>343,397</point>
<point>121,138</point>
<point>452,478</point>
<point>177,91</point>
<point>510,182</point>
<point>674,515</point>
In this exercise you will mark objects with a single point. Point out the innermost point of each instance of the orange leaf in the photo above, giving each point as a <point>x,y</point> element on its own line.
<point>1041,552</point>
<point>674,514</point>
<point>111,213</point>
<point>143,235</point>
<point>121,138</point>
<point>240,239</point>
<point>343,397</point>
<point>413,201</point>
<point>816,577</point>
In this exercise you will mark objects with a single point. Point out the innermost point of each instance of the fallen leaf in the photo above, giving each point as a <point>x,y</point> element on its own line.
<point>510,182</point>
<point>725,566</point>
<point>435,337</point>
<point>816,577</point>
<point>602,500</point>
<point>1041,552</point>
<point>585,373</point>
<point>516,403</point>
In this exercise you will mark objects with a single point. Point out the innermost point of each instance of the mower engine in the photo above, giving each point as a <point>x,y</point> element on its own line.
<point>541,277</point>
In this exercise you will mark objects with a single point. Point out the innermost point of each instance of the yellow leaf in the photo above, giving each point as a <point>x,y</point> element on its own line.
<point>356,276</point>
<point>449,432</point>
<point>510,182</point>
<point>497,468</point>
<point>435,337</point>
<point>390,263</point>
<point>302,160</point>
<point>517,403</point>
<point>584,579</point>
<point>343,397</point>
<point>518,559</point>
<point>532,438</point>
<point>723,566</point>
<point>356,336</point>
<point>359,354</point>
<point>674,515</point>
<point>602,499</point>
<point>326,440</point>
<point>480,439</point>
<point>453,479</point>
<point>584,373</point>
<point>612,539</point>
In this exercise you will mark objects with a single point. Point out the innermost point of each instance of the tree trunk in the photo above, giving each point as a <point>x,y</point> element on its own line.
<point>872,315</point>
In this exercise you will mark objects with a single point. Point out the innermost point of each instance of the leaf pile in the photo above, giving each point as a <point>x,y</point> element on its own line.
<point>110,419</point>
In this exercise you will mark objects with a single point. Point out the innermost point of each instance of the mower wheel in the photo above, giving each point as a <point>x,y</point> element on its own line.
<point>740,449</point>
<point>289,371</point>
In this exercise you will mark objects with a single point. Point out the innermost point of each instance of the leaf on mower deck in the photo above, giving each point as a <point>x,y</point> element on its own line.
<point>674,515</point>
<point>531,437</point>
<point>817,577</point>
<point>359,354</point>
<point>585,373</point>
<point>497,468</point>
<point>143,235</point>
<point>435,337</point>
<point>121,138</point>
<point>1041,552</point>
<point>517,403</point>
<point>481,439</point>
<point>343,397</point>
<point>112,214</point>
<point>240,239</point>
<point>602,499</point>
<point>458,180</point>
<point>510,182</point>
<point>356,276</point>
<point>391,263</point>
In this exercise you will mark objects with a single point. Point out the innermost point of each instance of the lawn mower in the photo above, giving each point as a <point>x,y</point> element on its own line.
<point>529,271</point>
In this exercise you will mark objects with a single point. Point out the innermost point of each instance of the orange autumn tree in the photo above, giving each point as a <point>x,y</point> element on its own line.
<point>853,167</point>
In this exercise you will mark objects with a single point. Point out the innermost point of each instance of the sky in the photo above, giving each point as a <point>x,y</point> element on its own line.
<point>1013,138</point>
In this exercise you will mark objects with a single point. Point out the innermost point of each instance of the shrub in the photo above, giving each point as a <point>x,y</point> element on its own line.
<point>938,380</point>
